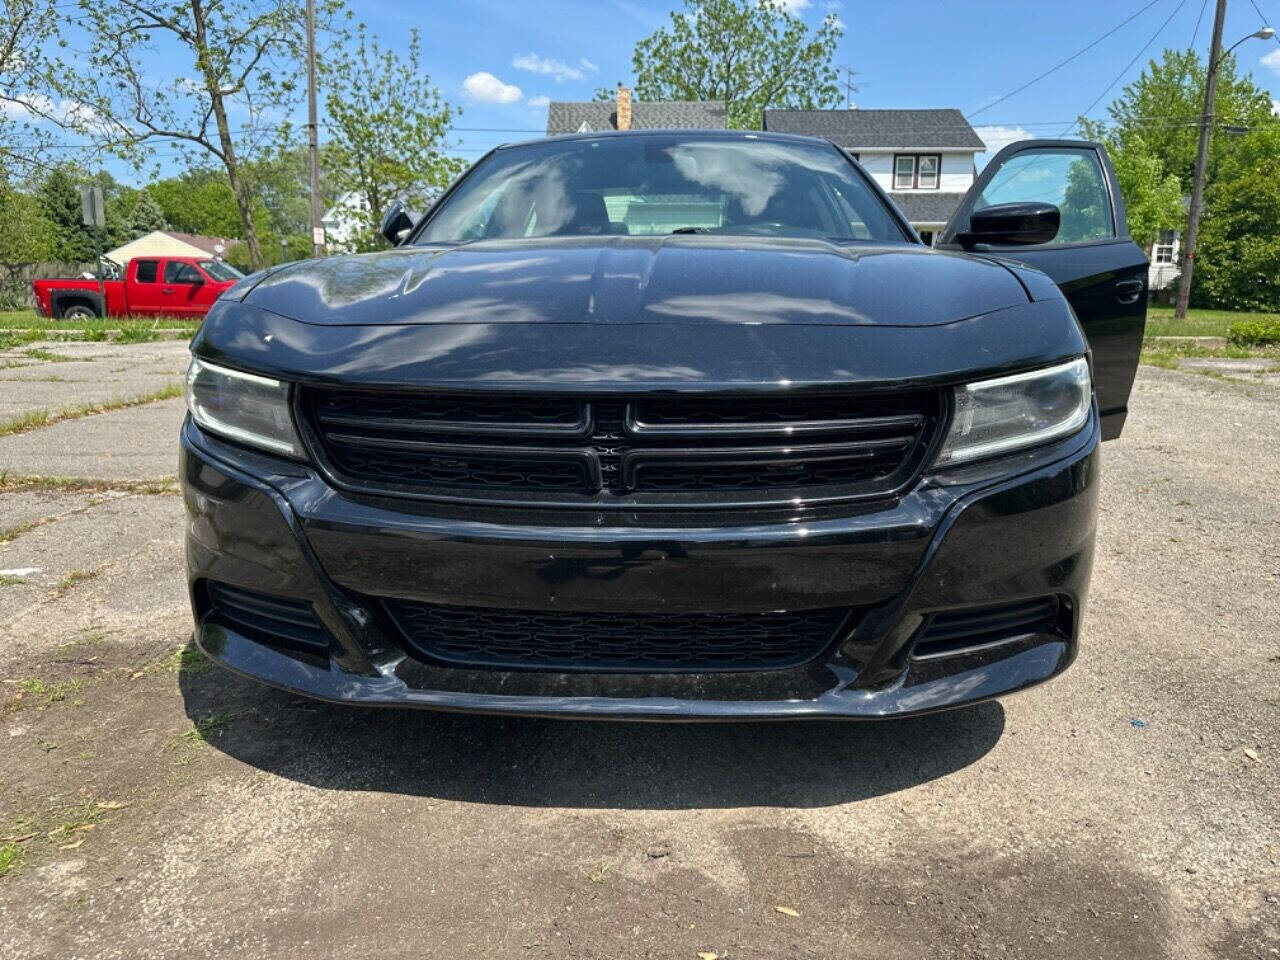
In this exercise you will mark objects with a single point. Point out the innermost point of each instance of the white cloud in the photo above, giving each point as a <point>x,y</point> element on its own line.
<point>996,138</point>
<point>38,108</point>
<point>1272,61</point>
<point>555,68</point>
<point>1275,107</point>
<point>588,65</point>
<point>794,6</point>
<point>538,101</point>
<point>484,87</point>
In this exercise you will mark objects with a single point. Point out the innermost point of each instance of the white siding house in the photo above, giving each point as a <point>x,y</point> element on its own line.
<point>924,159</point>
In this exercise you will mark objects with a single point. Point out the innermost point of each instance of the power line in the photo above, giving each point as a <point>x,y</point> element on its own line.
<point>1058,66</point>
<point>1127,67</point>
<point>1204,5</point>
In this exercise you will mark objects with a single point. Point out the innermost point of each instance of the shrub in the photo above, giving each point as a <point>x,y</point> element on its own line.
<point>1255,333</point>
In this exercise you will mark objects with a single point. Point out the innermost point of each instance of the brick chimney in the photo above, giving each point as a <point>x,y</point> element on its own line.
<point>624,107</point>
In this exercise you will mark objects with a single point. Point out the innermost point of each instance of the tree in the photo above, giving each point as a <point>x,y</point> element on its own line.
<point>27,104</point>
<point>388,130</point>
<point>1238,260</point>
<point>1163,106</point>
<point>199,200</point>
<point>28,235</point>
<point>1152,196</point>
<point>244,57</point>
<point>751,54</point>
<point>146,216</point>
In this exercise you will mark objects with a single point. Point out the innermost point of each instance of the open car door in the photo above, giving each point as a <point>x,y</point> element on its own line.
<point>1094,261</point>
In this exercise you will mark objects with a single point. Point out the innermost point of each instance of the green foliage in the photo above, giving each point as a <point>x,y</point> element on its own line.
<point>388,129</point>
<point>1152,196</point>
<point>752,54</point>
<point>1238,258</point>
<point>145,216</point>
<point>28,234</point>
<point>59,198</point>
<point>243,59</point>
<point>199,200</point>
<point>1163,106</point>
<point>1261,332</point>
<point>28,102</point>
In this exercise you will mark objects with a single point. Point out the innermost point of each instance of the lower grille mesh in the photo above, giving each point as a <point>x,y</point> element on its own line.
<point>615,642</point>
<point>275,621</point>
<point>959,630</point>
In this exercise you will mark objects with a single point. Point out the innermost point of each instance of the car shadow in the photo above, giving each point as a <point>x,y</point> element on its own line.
<point>578,763</point>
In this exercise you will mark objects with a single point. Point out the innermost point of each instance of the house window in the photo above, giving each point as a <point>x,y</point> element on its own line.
<point>1166,246</point>
<point>904,173</point>
<point>916,171</point>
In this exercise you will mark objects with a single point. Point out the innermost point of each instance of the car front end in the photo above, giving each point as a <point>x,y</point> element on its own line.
<point>680,519</point>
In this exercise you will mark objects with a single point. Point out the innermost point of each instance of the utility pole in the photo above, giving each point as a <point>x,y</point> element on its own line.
<point>1202,160</point>
<point>313,140</point>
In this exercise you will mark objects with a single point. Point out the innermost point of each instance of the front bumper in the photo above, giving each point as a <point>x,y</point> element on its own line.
<point>992,534</point>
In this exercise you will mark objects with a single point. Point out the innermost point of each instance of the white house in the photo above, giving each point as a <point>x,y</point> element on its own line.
<point>923,158</point>
<point>344,220</point>
<point>1164,254</point>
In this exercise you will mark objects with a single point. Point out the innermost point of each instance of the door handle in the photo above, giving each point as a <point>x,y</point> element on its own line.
<point>1128,291</point>
<point>166,290</point>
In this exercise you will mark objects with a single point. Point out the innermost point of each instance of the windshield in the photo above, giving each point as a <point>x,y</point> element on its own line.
<point>662,184</point>
<point>220,270</point>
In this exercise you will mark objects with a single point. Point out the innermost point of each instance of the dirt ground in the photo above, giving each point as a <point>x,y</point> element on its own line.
<point>156,806</point>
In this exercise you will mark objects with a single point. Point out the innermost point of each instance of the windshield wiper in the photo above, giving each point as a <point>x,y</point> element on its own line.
<point>691,230</point>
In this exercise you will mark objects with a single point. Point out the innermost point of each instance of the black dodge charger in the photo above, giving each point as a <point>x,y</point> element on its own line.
<point>669,425</point>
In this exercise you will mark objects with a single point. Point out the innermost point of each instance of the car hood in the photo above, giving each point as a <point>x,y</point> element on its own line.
<point>634,280</point>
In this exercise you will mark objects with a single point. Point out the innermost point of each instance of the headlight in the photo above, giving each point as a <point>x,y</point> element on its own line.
<point>1008,413</point>
<point>242,406</point>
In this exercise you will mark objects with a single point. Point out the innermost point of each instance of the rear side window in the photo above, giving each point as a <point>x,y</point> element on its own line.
<point>147,271</point>
<point>175,271</point>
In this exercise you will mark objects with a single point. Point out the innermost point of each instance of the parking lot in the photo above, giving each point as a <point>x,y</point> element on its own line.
<point>156,806</point>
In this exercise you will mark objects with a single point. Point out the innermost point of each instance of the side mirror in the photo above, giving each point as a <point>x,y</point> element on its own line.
<point>397,222</point>
<point>1012,223</point>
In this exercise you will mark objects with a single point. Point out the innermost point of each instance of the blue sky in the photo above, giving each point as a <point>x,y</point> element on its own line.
<point>500,60</point>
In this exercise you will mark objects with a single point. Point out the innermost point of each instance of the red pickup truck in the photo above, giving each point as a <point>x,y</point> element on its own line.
<point>168,286</point>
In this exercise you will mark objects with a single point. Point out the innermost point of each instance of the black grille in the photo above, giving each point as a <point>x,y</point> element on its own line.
<point>275,621</point>
<point>615,642</point>
<point>957,631</point>
<point>624,451</point>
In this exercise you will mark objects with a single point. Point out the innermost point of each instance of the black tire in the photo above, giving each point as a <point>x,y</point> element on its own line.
<point>78,311</point>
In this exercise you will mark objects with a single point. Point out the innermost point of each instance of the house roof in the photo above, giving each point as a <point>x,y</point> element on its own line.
<point>927,206</point>
<point>880,129</point>
<point>208,244</point>
<point>568,116</point>
<point>169,243</point>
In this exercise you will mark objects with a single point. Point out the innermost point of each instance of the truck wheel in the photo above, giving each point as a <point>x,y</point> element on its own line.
<point>78,311</point>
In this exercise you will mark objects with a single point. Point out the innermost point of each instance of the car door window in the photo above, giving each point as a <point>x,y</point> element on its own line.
<point>175,271</point>
<point>1072,179</point>
<point>147,271</point>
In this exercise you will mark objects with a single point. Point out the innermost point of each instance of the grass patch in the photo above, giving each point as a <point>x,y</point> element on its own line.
<point>10,857</point>
<point>205,727</point>
<point>138,332</point>
<point>73,578</point>
<point>35,419</point>
<point>1197,323</point>
<point>9,481</point>
<point>8,581</point>
<point>187,659</point>
<point>49,693</point>
<point>29,320</point>
<point>39,353</point>
<point>9,339</point>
